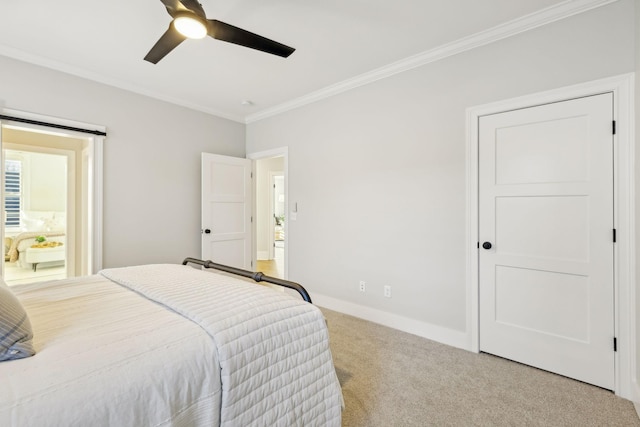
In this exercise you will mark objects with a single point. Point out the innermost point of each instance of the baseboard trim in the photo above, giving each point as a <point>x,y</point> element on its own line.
<point>437,333</point>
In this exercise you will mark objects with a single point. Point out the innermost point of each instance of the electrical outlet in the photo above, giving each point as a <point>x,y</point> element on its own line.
<point>363,286</point>
<point>387,291</point>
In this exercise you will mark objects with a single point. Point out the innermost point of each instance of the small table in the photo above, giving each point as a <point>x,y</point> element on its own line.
<point>37,255</point>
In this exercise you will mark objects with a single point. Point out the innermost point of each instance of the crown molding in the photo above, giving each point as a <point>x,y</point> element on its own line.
<point>99,78</point>
<point>545,16</point>
<point>542,17</point>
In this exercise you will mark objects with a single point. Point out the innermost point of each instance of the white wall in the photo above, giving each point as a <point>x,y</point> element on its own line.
<point>379,172</point>
<point>151,158</point>
<point>44,179</point>
<point>47,181</point>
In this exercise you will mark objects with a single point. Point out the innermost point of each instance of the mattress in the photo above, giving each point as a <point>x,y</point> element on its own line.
<point>114,352</point>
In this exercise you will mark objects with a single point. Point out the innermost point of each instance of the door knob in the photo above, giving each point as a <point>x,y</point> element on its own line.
<point>207,231</point>
<point>486,245</point>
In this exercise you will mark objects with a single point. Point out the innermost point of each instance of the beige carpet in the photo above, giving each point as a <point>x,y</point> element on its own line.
<point>390,378</point>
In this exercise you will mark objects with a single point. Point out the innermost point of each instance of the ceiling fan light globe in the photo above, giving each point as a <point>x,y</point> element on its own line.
<point>190,27</point>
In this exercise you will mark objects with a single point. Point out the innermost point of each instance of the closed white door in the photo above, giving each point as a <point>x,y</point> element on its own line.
<point>226,210</point>
<point>546,237</point>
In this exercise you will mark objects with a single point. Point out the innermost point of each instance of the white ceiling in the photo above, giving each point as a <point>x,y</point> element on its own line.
<point>335,40</point>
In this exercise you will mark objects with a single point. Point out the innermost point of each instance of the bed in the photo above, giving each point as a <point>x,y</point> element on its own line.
<point>170,345</point>
<point>49,224</point>
<point>24,241</point>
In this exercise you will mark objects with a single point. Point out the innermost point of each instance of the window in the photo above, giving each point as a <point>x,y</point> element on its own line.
<point>12,192</point>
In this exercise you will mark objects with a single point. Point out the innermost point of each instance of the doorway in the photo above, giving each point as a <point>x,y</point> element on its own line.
<point>270,211</point>
<point>52,182</point>
<point>275,220</point>
<point>38,193</point>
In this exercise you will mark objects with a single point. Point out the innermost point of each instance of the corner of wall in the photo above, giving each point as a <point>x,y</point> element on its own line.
<point>637,183</point>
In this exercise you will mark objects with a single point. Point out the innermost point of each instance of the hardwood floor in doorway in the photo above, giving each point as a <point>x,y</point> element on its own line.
<point>273,267</point>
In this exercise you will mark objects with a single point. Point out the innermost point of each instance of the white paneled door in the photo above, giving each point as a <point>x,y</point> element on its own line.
<point>226,210</point>
<point>546,237</point>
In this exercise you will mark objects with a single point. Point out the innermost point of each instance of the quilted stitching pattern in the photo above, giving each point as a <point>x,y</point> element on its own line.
<point>275,362</point>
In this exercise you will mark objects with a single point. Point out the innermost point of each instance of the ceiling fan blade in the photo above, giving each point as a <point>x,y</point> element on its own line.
<point>193,6</point>
<point>175,7</point>
<point>171,4</point>
<point>228,33</point>
<point>169,40</point>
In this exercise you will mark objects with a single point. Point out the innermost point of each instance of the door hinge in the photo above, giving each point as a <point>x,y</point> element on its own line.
<point>251,219</point>
<point>478,245</point>
<point>615,344</point>
<point>613,127</point>
<point>251,175</point>
<point>614,235</point>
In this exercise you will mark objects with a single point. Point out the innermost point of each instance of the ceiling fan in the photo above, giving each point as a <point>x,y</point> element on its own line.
<point>190,21</point>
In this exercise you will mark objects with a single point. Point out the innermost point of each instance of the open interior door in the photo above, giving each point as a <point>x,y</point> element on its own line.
<point>226,210</point>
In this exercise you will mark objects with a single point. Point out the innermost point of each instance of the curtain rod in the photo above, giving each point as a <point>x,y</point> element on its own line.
<point>52,125</point>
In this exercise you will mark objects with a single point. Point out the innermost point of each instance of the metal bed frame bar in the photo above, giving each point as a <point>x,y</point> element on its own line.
<point>257,276</point>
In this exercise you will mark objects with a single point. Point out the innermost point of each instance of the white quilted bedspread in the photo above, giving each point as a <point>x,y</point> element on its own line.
<point>107,357</point>
<point>273,349</point>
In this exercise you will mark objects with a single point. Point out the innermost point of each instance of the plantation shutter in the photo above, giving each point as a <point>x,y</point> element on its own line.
<point>12,192</point>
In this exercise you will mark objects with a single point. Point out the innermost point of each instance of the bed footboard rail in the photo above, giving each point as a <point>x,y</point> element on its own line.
<point>257,276</point>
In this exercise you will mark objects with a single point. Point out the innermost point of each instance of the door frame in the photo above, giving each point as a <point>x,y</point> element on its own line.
<point>92,171</point>
<point>259,155</point>
<point>624,215</point>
